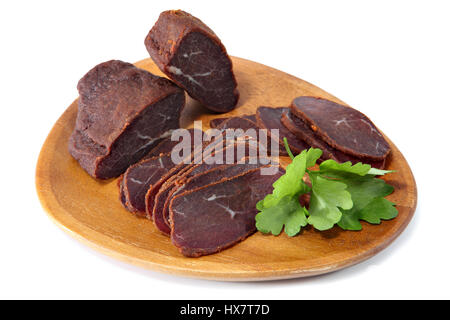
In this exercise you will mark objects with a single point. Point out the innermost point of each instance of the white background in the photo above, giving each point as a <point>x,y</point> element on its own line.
<point>389,59</point>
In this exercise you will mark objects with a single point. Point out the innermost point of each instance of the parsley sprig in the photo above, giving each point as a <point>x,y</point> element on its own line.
<point>340,193</point>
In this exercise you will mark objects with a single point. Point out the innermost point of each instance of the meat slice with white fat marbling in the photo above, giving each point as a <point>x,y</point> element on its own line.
<point>270,118</point>
<point>140,177</point>
<point>300,129</point>
<point>160,207</point>
<point>342,127</point>
<point>214,217</point>
<point>193,181</point>
<point>155,165</point>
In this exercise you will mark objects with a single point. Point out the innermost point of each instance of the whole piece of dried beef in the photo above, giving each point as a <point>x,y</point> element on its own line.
<point>191,54</point>
<point>123,112</point>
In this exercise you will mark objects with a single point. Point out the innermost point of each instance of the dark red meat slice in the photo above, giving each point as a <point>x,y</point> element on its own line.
<point>343,128</point>
<point>123,112</point>
<point>214,217</point>
<point>140,177</point>
<point>250,128</point>
<point>270,118</point>
<point>215,123</point>
<point>122,197</point>
<point>305,133</point>
<point>208,149</point>
<point>190,54</point>
<point>213,175</point>
<point>160,210</point>
<point>238,123</point>
<point>167,145</point>
<point>251,117</point>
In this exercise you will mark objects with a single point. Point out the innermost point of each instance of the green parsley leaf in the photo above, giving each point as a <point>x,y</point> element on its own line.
<point>288,213</point>
<point>364,190</point>
<point>330,166</point>
<point>291,183</point>
<point>379,172</point>
<point>326,198</point>
<point>340,193</point>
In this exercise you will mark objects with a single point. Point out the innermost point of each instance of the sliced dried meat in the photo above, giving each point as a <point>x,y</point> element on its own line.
<point>237,123</point>
<point>209,148</point>
<point>140,177</point>
<point>212,218</point>
<point>342,127</point>
<point>123,112</point>
<point>190,54</point>
<point>122,197</point>
<point>305,133</point>
<point>160,208</point>
<point>215,123</point>
<point>158,155</point>
<point>250,128</point>
<point>168,144</point>
<point>212,175</point>
<point>270,118</point>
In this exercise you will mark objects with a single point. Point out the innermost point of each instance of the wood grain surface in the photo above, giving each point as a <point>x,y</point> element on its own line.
<point>90,210</point>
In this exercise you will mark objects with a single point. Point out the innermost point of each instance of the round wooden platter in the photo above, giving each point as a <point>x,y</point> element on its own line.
<point>90,210</point>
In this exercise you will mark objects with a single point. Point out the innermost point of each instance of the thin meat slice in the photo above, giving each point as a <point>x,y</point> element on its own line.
<point>251,117</point>
<point>122,197</point>
<point>160,209</point>
<point>251,129</point>
<point>191,54</point>
<point>270,118</point>
<point>215,123</point>
<point>212,175</point>
<point>342,127</point>
<point>212,218</point>
<point>140,177</point>
<point>208,148</point>
<point>302,131</point>
<point>123,112</point>
<point>237,123</point>
<point>168,144</point>
<point>163,150</point>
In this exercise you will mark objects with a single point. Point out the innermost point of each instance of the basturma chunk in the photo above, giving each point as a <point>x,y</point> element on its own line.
<point>190,54</point>
<point>123,112</point>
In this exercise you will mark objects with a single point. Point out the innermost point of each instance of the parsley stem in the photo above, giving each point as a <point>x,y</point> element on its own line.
<point>286,146</point>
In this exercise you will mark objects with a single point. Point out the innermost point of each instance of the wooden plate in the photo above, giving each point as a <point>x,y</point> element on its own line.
<point>90,210</point>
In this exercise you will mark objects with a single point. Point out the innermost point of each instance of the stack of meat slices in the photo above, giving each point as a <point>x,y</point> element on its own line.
<point>343,133</point>
<point>204,206</point>
<point>265,118</point>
